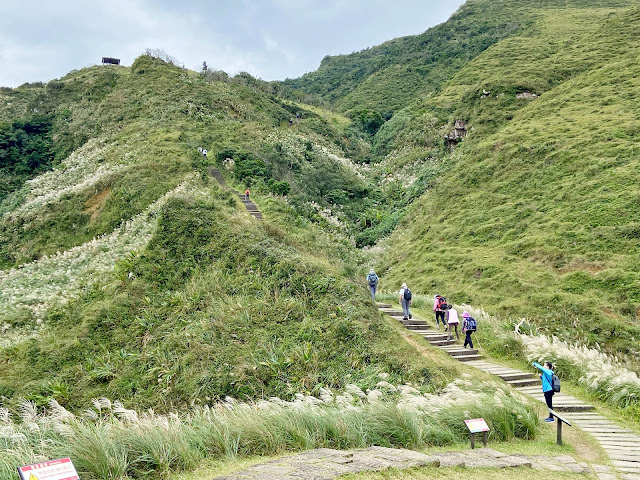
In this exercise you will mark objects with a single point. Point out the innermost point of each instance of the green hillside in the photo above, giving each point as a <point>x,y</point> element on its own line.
<point>388,77</point>
<point>128,272</point>
<point>535,214</point>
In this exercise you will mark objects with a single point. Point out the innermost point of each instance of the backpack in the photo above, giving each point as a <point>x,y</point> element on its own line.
<point>472,325</point>
<point>555,383</point>
<point>373,279</point>
<point>407,294</point>
<point>442,303</point>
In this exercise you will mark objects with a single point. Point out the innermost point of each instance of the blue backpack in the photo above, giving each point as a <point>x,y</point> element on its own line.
<point>472,325</point>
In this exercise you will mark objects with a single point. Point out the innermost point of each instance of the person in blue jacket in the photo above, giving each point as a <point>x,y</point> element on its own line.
<point>547,386</point>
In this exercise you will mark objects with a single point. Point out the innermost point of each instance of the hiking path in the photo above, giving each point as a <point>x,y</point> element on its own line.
<point>248,204</point>
<point>621,444</point>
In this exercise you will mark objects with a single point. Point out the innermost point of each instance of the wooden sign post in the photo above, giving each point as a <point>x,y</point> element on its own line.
<point>478,425</point>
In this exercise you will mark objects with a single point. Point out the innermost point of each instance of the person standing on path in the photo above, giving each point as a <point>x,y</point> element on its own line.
<point>547,386</point>
<point>439,307</point>
<point>247,192</point>
<point>469,325</point>
<point>372,281</point>
<point>453,321</point>
<point>405,299</point>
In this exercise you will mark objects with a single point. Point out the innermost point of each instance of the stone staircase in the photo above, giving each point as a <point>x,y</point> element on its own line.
<point>621,444</point>
<point>248,204</point>
<point>434,337</point>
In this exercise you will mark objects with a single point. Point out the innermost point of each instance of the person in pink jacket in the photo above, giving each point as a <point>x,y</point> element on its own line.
<point>440,307</point>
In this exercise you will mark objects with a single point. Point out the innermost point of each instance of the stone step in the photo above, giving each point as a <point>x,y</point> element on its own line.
<point>574,408</point>
<point>517,376</point>
<point>523,382</point>
<point>607,436</point>
<point>468,358</point>
<point>420,332</point>
<point>417,326</point>
<point>531,390</point>
<point>462,352</point>
<point>393,313</point>
<point>439,343</point>
<point>589,424</point>
<point>606,430</point>
<point>630,467</point>
<point>384,305</point>
<point>618,445</point>
<point>501,371</point>
<point>588,417</point>
<point>434,336</point>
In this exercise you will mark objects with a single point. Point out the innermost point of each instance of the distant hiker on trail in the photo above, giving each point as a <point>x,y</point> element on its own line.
<point>204,153</point>
<point>372,281</point>
<point>453,321</point>
<point>547,377</point>
<point>247,192</point>
<point>440,307</point>
<point>405,300</point>
<point>469,325</point>
<point>291,121</point>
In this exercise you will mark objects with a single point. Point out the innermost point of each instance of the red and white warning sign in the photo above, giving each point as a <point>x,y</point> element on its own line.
<point>61,469</point>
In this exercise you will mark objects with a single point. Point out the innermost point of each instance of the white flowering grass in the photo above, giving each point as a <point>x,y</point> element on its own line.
<point>295,145</point>
<point>604,375</point>
<point>81,170</point>
<point>110,441</point>
<point>56,279</point>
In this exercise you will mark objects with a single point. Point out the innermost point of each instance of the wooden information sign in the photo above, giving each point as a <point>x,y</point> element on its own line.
<point>61,469</point>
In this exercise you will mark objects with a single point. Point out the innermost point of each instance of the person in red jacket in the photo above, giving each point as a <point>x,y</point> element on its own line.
<point>247,192</point>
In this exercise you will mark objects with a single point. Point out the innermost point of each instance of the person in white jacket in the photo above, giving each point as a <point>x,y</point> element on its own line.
<point>453,321</point>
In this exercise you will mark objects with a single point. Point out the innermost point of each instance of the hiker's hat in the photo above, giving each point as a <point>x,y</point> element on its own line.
<point>372,271</point>
<point>465,315</point>
<point>404,285</point>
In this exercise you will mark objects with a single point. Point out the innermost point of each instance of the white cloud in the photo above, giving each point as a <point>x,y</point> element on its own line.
<point>41,40</point>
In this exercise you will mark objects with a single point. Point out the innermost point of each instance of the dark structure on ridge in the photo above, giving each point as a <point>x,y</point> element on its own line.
<point>110,61</point>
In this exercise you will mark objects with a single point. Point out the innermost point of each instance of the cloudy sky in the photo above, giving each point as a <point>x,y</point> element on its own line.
<point>271,39</point>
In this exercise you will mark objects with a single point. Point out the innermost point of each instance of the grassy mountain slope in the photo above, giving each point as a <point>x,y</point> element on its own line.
<point>388,77</point>
<point>535,213</point>
<point>144,128</point>
<point>217,304</point>
<point>129,273</point>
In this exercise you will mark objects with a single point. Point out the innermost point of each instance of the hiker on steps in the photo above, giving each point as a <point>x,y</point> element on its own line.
<point>469,325</point>
<point>247,192</point>
<point>547,385</point>
<point>372,281</point>
<point>405,300</point>
<point>453,321</point>
<point>440,307</point>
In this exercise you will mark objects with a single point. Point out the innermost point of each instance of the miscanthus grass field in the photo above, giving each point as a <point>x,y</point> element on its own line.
<point>611,379</point>
<point>108,441</point>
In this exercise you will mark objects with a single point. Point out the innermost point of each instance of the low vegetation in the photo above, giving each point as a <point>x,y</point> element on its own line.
<point>110,441</point>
